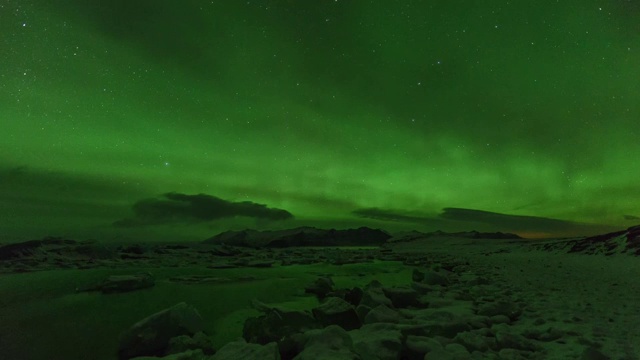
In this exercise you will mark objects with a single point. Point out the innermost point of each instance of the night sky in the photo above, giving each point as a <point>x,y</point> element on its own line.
<point>158,119</point>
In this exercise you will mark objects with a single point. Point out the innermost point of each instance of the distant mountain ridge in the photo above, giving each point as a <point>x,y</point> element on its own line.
<point>302,236</point>
<point>618,242</point>
<point>415,235</point>
<point>311,236</point>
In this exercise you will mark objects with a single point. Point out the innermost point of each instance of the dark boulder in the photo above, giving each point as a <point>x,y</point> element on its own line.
<point>151,336</point>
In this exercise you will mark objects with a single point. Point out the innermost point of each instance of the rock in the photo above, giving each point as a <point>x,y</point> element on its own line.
<point>330,343</point>
<point>509,309</point>
<point>510,340</point>
<point>434,278</point>
<point>500,319</point>
<point>198,279</point>
<point>377,341</point>
<point>277,324</point>
<point>132,249</point>
<point>31,248</point>
<point>335,311</point>
<point>401,297</point>
<point>458,351</point>
<point>240,349</point>
<point>439,354</point>
<point>94,251</point>
<point>151,335</point>
<point>551,334</point>
<point>373,295</point>
<point>478,321</point>
<point>184,343</point>
<point>260,264</point>
<point>123,283</point>
<point>450,329</point>
<point>225,251</point>
<point>187,355</point>
<point>473,341</point>
<point>429,277</point>
<point>592,353</point>
<point>417,275</point>
<point>362,311</point>
<point>416,347</point>
<point>320,287</point>
<point>512,354</point>
<point>222,265</point>
<point>352,296</point>
<point>421,288</point>
<point>382,314</point>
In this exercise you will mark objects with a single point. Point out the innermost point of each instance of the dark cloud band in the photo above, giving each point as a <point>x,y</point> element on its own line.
<point>183,208</point>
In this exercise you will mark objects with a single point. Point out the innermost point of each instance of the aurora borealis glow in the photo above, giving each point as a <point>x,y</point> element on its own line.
<point>342,113</point>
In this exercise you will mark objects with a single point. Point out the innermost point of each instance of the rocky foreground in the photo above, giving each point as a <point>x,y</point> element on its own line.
<point>473,300</point>
<point>448,312</point>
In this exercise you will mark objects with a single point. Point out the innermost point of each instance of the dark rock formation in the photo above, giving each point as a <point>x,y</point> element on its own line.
<point>246,351</point>
<point>123,283</point>
<point>30,248</point>
<point>625,242</point>
<point>336,311</point>
<point>320,287</point>
<point>152,336</point>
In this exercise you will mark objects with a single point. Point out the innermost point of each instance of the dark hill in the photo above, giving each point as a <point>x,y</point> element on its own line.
<point>303,236</point>
<point>623,242</point>
<point>416,235</point>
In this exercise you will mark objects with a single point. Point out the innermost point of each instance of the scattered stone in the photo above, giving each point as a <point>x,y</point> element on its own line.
<point>320,287</point>
<point>402,297</point>
<point>439,354</point>
<point>509,309</point>
<point>151,335</point>
<point>240,349</point>
<point>373,295</point>
<point>377,341</point>
<point>260,264</point>
<point>506,339</point>
<point>362,311</point>
<point>132,249</point>
<point>123,283</point>
<point>184,343</point>
<point>330,343</point>
<point>416,347</point>
<point>199,279</point>
<point>512,354</point>
<point>473,341</point>
<point>458,351</point>
<point>592,353</point>
<point>336,311</point>
<point>433,278</point>
<point>187,355</point>
<point>500,319</point>
<point>277,324</point>
<point>382,314</point>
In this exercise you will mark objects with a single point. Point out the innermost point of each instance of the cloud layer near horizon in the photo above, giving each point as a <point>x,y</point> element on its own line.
<point>470,219</point>
<point>183,208</point>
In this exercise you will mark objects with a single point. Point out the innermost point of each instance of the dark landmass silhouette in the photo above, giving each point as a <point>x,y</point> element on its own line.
<point>302,236</point>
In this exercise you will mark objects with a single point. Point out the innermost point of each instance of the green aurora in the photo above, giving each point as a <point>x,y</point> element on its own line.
<point>390,114</point>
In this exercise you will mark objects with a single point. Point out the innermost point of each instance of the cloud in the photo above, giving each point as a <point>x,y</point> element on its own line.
<point>521,223</point>
<point>395,215</point>
<point>182,208</point>
<point>631,217</point>
<point>458,219</point>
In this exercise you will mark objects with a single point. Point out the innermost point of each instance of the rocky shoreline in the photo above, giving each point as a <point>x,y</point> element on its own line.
<point>448,312</point>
